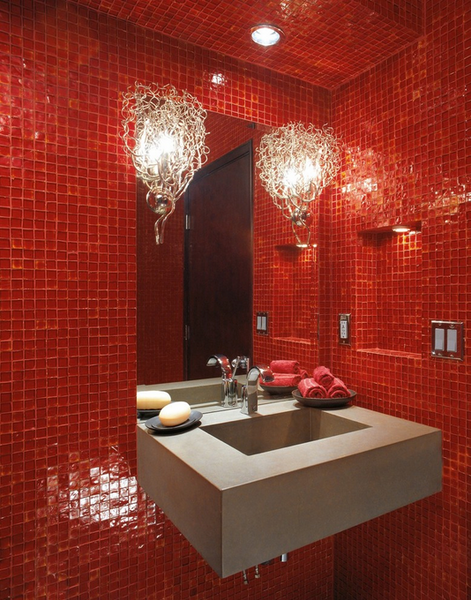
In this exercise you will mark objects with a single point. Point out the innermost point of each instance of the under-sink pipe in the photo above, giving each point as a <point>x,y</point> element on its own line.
<point>283,558</point>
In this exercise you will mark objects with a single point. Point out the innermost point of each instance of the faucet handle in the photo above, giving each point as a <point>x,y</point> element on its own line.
<point>241,361</point>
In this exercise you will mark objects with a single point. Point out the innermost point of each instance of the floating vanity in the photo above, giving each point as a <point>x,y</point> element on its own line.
<point>244,489</point>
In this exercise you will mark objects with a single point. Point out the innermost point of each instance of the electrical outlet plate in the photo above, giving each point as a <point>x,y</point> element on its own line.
<point>448,339</point>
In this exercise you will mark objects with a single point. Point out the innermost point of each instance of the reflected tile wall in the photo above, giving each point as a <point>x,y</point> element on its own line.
<point>74,524</point>
<point>405,126</point>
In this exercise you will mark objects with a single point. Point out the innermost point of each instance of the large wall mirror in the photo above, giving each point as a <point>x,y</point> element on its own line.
<point>180,312</point>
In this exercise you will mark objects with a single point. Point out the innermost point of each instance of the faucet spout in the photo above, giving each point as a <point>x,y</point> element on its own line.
<point>250,391</point>
<point>223,362</point>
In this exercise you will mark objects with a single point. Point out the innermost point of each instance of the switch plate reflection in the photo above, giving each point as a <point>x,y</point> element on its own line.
<point>262,323</point>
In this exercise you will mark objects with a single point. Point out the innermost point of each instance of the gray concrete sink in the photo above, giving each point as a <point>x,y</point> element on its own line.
<point>266,433</point>
<point>245,489</point>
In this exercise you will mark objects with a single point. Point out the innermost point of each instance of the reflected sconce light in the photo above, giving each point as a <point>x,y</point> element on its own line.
<point>296,163</point>
<point>164,134</point>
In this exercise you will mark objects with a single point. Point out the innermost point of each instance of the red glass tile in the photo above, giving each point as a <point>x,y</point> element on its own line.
<point>74,522</point>
<point>324,43</point>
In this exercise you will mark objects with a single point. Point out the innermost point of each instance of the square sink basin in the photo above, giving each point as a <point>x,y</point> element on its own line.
<point>270,432</point>
<point>244,489</point>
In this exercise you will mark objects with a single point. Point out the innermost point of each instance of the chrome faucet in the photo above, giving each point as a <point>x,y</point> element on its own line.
<point>229,383</point>
<point>250,391</point>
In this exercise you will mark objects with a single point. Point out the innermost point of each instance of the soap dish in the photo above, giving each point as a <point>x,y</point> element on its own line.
<point>147,413</point>
<point>156,425</point>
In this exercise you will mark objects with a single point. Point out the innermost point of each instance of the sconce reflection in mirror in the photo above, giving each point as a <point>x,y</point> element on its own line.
<point>296,163</point>
<point>164,134</point>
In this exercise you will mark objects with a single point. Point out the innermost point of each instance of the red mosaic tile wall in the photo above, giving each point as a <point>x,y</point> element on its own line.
<point>405,126</point>
<point>74,523</point>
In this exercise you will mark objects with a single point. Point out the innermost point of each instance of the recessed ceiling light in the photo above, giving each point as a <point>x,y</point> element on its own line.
<point>266,35</point>
<point>401,229</point>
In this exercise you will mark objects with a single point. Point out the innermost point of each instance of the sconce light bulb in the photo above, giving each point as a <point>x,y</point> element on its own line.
<point>291,178</point>
<point>311,172</point>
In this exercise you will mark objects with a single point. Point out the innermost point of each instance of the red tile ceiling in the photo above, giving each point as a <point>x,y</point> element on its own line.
<point>326,42</point>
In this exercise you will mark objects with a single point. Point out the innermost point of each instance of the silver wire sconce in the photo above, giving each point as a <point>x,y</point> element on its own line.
<point>296,163</point>
<point>164,134</point>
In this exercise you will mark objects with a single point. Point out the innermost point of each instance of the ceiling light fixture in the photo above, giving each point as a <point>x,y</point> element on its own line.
<point>266,35</point>
<point>164,134</point>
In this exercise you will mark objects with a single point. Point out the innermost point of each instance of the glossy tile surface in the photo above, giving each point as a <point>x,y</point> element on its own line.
<point>405,126</point>
<point>325,43</point>
<point>73,524</point>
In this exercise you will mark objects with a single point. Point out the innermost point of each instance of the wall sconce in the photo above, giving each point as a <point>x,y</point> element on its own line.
<point>164,134</point>
<point>296,163</point>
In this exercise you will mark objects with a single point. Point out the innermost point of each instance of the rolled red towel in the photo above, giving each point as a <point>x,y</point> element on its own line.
<point>284,380</point>
<point>284,366</point>
<point>323,376</point>
<point>338,389</point>
<point>309,388</point>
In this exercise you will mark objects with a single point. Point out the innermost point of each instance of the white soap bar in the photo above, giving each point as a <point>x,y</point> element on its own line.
<point>174,413</point>
<point>152,399</point>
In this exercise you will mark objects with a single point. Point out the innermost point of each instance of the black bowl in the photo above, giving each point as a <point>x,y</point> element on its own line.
<point>323,402</point>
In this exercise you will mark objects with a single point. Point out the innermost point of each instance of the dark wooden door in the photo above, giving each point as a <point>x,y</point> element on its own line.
<point>218,262</point>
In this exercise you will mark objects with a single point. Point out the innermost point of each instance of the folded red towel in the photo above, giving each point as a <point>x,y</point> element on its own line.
<point>338,389</point>
<point>309,388</point>
<point>284,366</point>
<point>323,376</point>
<point>284,380</point>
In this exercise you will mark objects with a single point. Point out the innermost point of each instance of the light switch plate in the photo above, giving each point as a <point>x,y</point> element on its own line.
<point>448,339</point>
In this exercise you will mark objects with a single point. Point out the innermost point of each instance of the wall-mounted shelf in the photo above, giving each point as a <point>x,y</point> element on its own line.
<point>388,318</point>
<point>413,226</point>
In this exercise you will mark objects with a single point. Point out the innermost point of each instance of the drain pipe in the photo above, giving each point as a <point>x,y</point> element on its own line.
<point>283,559</point>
